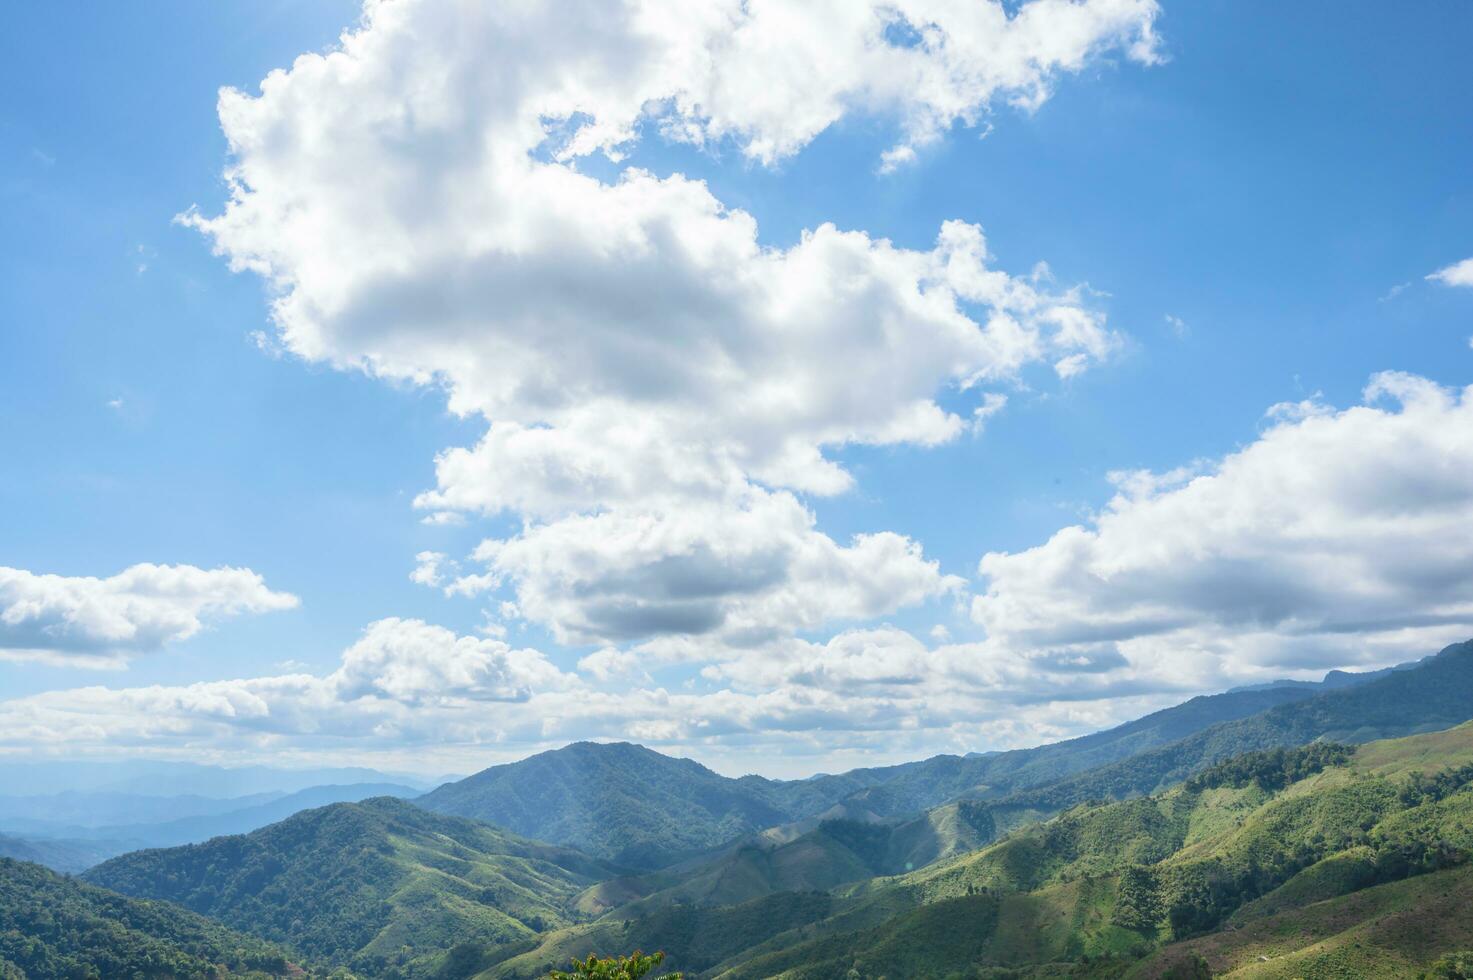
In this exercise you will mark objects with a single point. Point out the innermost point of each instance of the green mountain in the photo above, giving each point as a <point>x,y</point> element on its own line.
<point>624,802</point>
<point>646,810</point>
<point>56,927</point>
<point>1211,868</point>
<point>381,886</point>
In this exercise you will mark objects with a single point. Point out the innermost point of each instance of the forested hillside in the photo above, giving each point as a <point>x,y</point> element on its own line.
<point>621,801</point>
<point>381,886</point>
<point>51,926</point>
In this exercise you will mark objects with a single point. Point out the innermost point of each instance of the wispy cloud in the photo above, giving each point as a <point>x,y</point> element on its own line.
<point>1395,291</point>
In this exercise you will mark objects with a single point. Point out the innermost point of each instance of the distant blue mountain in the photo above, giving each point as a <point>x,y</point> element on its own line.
<point>66,856</point>
<point>74,847</point>
<point>148,777</point>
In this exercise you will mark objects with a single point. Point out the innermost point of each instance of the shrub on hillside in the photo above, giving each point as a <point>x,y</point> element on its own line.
<point>631,967</point>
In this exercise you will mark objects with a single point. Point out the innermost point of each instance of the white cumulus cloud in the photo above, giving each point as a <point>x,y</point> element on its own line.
<point>96,621</point>
<point>418,203</point>
<point>1337,537</point>
<point>743,571</point>
<point>407,660</point>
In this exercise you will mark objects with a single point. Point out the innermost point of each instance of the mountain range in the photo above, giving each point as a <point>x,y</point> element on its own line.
<point>637,807</point>
<point>1189,841</point>
<point>159,778</point>
<point>66,856</point>
<point>74,834</point>
<point>1140,886</point>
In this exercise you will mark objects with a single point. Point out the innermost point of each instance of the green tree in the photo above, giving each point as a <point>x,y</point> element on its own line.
<point>1193,967</point>
<point>1453,966</point>
<point>1138,902</point>
<point>631,967</point>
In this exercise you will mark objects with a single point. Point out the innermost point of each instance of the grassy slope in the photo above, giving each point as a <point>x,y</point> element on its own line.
<point>51,926</point>
<point>1048,928</point>
<point>695,939</point>
<point>1059,920</point>
<point>378,885</point>
<point>835,852</point>
<point>1392,930</point>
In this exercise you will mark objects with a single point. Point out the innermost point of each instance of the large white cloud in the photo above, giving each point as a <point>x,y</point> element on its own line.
<point>1336,537</point>
<point>415,200</point>
<point>740,571</point>
<point>410,661</point>
<point>97,621</point>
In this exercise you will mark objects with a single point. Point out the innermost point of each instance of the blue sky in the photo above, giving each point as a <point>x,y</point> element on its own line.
<point>1254,216</point>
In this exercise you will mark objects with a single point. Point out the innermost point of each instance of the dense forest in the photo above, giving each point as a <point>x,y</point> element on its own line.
<point>52,926</point>
<point>377,886</point>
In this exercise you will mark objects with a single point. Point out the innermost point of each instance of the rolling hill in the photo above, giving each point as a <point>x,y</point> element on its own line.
<point>381,886</point>
<point>909,788</point>
<point>73,847</point>
<point>51,926</point>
